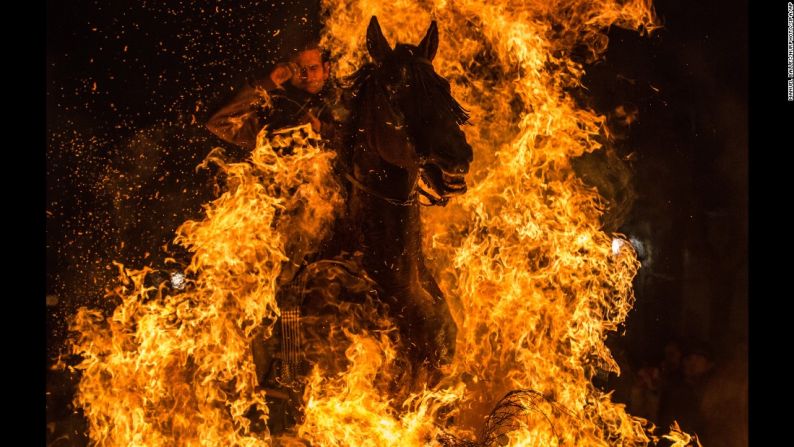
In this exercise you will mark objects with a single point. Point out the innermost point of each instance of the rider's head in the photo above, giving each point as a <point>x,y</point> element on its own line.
<point>313,67</point>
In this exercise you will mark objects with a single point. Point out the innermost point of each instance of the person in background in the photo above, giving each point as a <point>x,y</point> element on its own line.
<point>681,399</point>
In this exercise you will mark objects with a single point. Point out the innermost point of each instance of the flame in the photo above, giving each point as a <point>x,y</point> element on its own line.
<point>176,369</point>
<point>533,281</point>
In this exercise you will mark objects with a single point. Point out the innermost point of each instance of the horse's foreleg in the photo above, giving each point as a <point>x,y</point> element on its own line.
<point>445,329</point>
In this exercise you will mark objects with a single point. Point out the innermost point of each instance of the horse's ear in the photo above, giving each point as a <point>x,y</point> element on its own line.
<point>377,45</point>
<point>429,45</point>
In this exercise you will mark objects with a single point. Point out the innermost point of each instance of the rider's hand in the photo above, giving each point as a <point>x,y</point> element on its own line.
<point>311,118</point>
<point>283,72</point>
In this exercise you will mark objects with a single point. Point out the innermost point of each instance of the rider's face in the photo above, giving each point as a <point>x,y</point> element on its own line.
<point>312,71</point>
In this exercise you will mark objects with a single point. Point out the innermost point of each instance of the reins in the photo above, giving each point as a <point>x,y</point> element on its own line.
<point>397,202</point>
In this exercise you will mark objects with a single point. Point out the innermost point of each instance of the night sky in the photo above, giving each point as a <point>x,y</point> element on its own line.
<point>130,84</point>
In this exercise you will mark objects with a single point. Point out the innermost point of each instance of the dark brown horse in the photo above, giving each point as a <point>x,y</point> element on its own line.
<point>404,145</point>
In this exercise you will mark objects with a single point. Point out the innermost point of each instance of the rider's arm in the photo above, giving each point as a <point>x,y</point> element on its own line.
<point>239,122</point>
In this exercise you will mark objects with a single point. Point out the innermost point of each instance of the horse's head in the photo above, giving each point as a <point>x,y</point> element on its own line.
<point>419,120</point>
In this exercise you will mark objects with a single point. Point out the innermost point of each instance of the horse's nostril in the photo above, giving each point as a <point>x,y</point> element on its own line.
<point>469,156</point>
<point>459,169</point>
<point>454,160</point>
<point>456,167</point>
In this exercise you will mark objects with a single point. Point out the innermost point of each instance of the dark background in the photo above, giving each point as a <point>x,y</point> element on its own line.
<point>130,84</point>
<point>688,84</point>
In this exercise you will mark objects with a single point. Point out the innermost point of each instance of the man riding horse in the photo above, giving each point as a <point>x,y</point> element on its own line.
<point>404,146</point>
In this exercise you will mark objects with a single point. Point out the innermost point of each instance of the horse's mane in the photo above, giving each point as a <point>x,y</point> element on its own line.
<point>356,85</point>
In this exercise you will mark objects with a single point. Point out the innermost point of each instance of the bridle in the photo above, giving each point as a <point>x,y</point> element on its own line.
<point>413,198</point>
<point>396,202</point>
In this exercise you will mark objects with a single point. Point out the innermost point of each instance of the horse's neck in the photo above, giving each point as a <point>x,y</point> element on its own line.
<point>390,231</point>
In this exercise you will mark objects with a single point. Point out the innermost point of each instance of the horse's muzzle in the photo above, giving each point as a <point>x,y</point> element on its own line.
<point>443,172</point>
<point>442,183</point>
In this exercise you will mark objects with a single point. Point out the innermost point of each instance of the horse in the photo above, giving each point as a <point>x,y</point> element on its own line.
<point>411,147</point>
<point>405,147</point>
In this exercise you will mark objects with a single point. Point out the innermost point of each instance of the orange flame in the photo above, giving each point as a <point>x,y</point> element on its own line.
<point>533,282</point>
<point>176,369</point>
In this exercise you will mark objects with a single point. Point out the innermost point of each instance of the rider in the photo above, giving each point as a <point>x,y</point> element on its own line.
<point>297,91</point>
